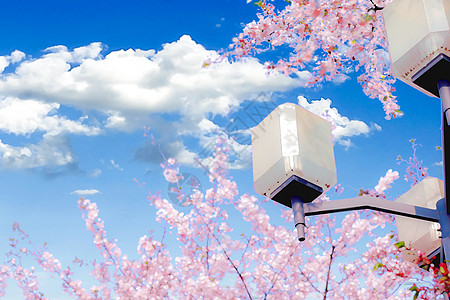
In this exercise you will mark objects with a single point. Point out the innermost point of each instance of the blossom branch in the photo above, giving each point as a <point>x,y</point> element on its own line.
<point>226,255</point>
<point>328,273</point>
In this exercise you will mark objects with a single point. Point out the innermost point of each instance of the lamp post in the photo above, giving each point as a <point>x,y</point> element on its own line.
<point>418,34</point>
<point>293,159</point>
<point>293,164</point>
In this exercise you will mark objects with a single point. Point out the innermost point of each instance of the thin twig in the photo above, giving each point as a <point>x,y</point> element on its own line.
<point>329,271</point>
<point>279,272</point>
<point>309,281</point>
<point>207,252</point>
<point>226,254</point>
<point>246,247</point>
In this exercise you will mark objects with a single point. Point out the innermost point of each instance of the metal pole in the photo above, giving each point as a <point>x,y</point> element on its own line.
<point>444,93</point>
<point>299,217</point>
<point>444,221</point>
<point>374,203</point>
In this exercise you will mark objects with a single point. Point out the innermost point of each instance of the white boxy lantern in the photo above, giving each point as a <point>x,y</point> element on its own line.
<point>293,155</point>
<point>418,33</point>
<point>421,235</point>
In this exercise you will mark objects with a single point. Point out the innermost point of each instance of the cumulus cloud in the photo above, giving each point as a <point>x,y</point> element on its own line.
<point>135,81</point>
<point>51,151</point>
<point>15,57</point>
<point>24,117</point>
<point>27,116</point>
<point>85,192</point>
<point>130,88</point>
<point>168,90</point>
<point>343,127</point>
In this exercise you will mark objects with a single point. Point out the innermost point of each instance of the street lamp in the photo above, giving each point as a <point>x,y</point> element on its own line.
<point>293,164</point>
<point>418,34</point>
<point>293,158</point>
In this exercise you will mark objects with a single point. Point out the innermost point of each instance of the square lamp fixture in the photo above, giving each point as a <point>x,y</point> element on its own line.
<point>421,235</point>
<point>293,155</point>
<point>418,34</point>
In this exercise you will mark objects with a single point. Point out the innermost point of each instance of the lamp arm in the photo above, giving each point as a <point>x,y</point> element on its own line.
<point>374,203</point>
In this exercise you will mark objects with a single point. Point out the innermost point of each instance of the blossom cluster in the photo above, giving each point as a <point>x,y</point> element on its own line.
<point>328,38</point>
<point>415,171</point>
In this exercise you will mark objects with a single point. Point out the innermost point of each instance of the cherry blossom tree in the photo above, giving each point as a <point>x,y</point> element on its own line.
<point>219,261</point>
<point>328,38</point>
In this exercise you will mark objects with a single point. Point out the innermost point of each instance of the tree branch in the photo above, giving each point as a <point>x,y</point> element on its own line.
<point>328,274</point>
<point>207,252</point>
<point>309,280</point>
<point>279,272</point>
<point>226,254</point>
<point>246,247</point>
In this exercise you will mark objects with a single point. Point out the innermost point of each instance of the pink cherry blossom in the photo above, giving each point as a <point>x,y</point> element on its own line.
<point>331,38</point>
<point>218,260</point>
<point>385,181</point>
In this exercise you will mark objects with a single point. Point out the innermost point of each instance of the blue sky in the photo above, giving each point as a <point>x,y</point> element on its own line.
<point>80,80</point>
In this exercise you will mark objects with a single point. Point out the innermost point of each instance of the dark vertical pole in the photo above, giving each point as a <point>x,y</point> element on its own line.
<point>299,217</point>
<point>444,93</point>
<point>444,206</point>
<point>444,221</point>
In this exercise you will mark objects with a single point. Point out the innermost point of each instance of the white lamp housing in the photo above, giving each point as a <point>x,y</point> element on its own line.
<point>421,235</point>
<point>418,33</point>
<point>293,155</point>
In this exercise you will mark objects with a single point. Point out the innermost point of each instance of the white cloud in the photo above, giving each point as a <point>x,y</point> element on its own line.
<point>340,79</point>
<point>51,151</point>
<point>438,164</point>
<point>85,192</point>
<point>136,81</point>
<point>343,127</point>
<point>3,63</point>
<point>133,88</point>
<point>24,117</point>
<point>95,173</point>
<point>116,121</point>
<point>27,116</point>
<point>130,88</point>
<point>15,57</point>
<point>115,165</point>
<point>377,127</point>
<point>206,125</point>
